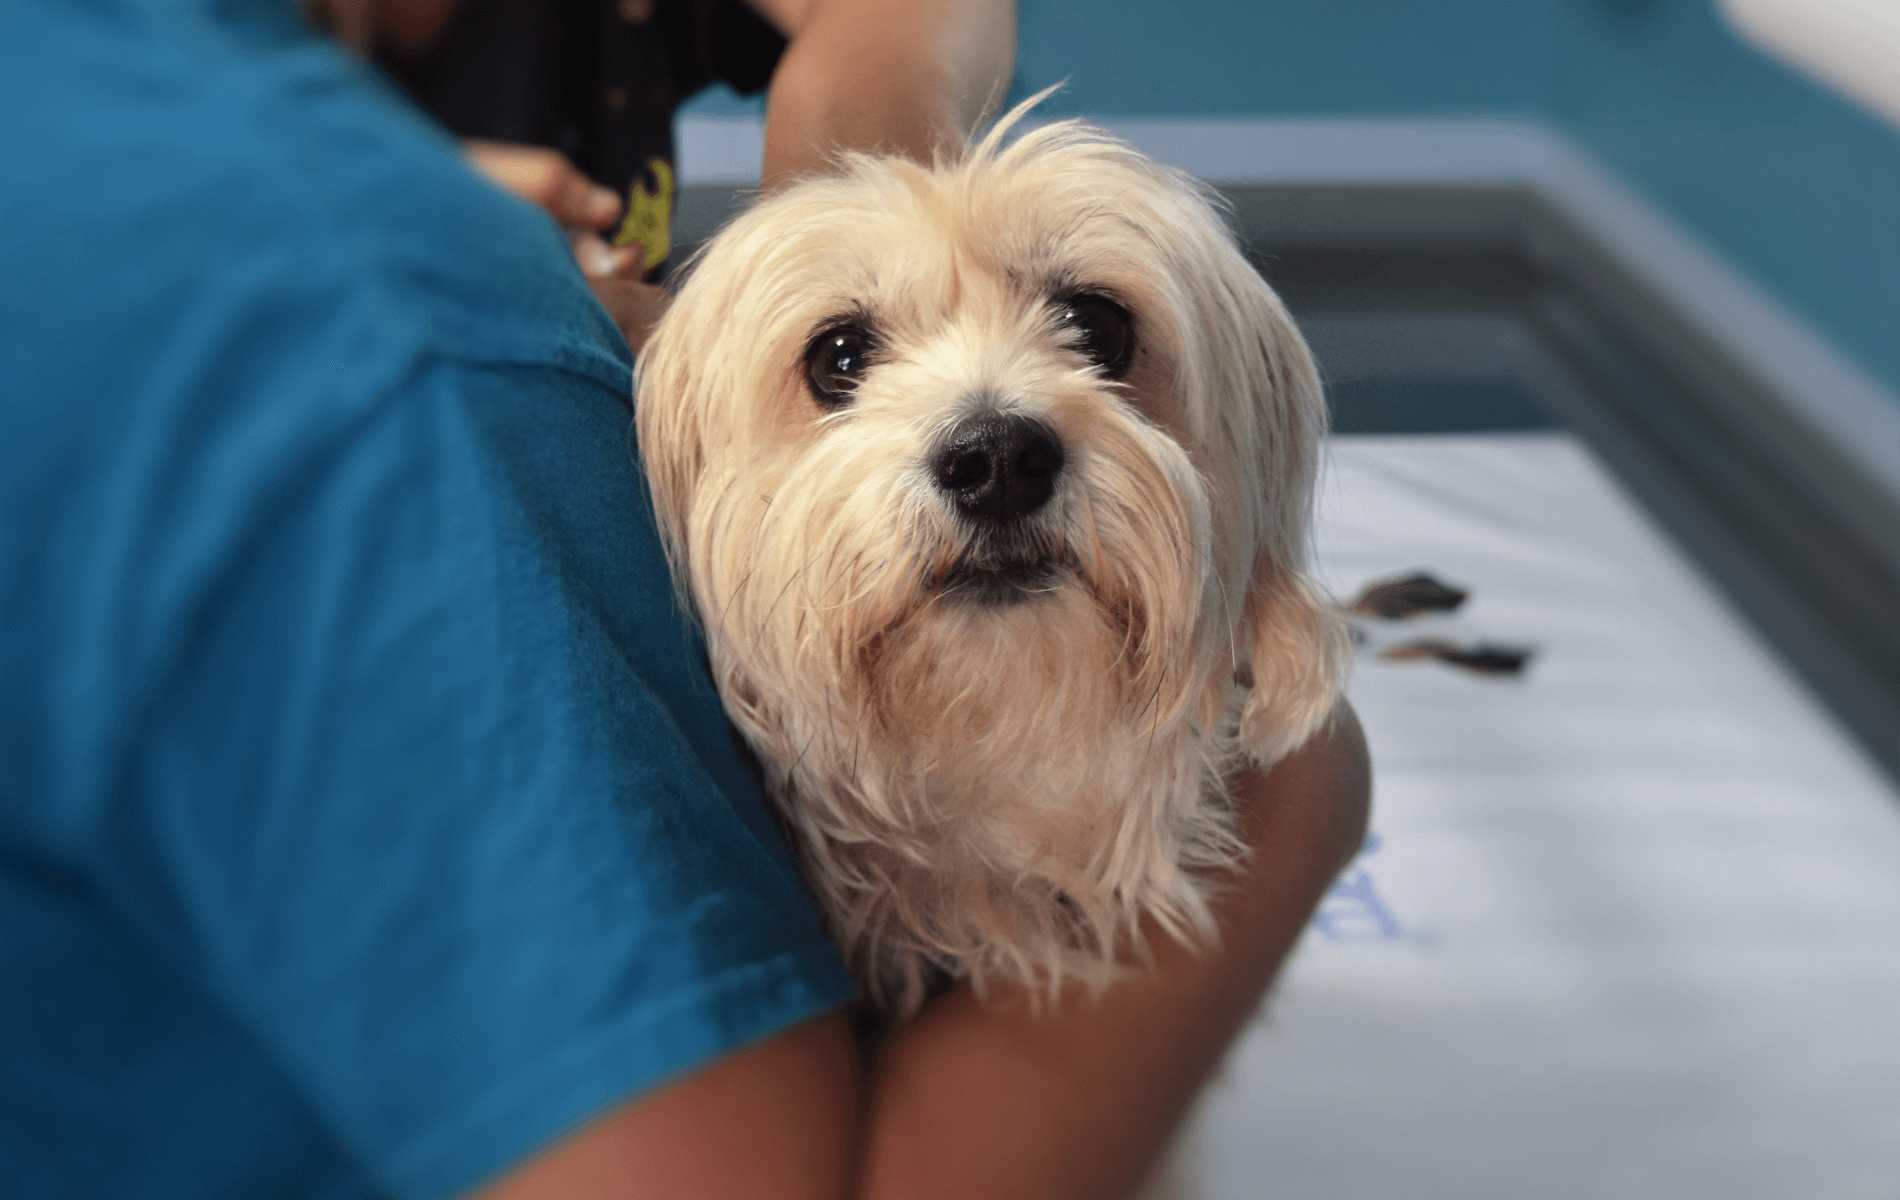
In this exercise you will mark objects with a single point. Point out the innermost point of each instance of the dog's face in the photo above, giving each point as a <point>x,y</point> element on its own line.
<point>971,468</point>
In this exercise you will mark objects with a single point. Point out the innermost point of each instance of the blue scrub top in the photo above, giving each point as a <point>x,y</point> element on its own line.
<point>367,820</point>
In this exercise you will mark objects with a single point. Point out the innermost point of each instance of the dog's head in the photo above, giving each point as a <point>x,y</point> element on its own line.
<point>903,396</point>
<point>982,462</point>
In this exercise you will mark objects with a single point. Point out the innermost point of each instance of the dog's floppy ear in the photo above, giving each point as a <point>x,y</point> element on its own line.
<point>1299,653</point>
<point>1298,647</point>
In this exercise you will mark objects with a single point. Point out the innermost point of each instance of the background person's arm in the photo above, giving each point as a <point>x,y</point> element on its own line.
<point>899,76</point>
<point>989,1100</point>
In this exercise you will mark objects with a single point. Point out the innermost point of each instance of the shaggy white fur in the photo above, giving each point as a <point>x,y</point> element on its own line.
<point>990,484</point>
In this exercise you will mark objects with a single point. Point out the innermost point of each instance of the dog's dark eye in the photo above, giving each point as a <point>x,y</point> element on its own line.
<point>836,362</point>
<point>1104,331</point>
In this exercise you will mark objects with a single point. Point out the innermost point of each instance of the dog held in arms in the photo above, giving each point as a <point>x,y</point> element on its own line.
<point>990,484</point>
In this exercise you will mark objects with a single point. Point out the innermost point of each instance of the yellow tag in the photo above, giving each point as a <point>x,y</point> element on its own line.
<point>650,215</point>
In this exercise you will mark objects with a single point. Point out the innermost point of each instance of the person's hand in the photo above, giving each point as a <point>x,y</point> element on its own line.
<point>545,178</point>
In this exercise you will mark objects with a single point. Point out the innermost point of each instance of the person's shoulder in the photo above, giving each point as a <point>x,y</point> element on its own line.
<point>231,257</point>
<point>230,242</point>
<point>492,276</point>
<point>227,160</point>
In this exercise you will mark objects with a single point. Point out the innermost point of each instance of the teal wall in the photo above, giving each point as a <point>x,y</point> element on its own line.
<point>1798,189</point>
<point>1280,57</point>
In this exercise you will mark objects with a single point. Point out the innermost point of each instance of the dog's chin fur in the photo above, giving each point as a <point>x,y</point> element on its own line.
<point>1002,751</point>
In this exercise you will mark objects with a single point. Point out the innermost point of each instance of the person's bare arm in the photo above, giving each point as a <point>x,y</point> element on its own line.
<point>896,76</point>
<point>779,1121</point>
<point>989,1100</point>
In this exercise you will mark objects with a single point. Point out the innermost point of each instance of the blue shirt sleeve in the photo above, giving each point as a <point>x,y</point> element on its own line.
<point>439,799</point>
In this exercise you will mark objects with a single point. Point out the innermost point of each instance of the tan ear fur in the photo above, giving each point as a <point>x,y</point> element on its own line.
<point>1300,651</point>
<point>1298,648</point>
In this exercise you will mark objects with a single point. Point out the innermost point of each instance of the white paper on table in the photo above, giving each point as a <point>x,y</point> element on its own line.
<point>1631,923</point>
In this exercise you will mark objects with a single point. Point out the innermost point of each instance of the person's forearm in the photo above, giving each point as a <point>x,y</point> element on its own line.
<point>908,77</point>
<point>972,1101</point>
<point>976,1100</point>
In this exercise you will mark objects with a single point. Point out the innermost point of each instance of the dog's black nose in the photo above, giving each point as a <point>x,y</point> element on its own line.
<point>997,467</point>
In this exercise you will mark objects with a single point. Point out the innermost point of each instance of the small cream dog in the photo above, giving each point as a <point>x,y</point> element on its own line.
<point>990,484</point>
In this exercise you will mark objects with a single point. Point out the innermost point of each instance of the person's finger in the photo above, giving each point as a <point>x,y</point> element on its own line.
<point>580,201</point>
<point>545,178</point>
<point>598,260</point>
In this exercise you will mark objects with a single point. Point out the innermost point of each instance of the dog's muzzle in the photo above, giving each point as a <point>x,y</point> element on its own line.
<point>999,469</point>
